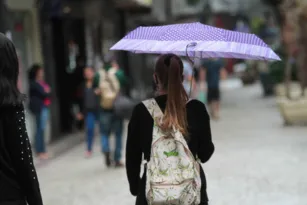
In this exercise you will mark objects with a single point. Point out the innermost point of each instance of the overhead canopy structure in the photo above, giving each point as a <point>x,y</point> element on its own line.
<point>134,5</point>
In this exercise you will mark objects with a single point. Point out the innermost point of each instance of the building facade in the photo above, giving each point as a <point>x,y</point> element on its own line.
<point>22,21</point>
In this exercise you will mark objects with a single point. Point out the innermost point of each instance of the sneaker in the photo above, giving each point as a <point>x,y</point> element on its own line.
<point>88,154</point>
<point>119,165</point>
<point>43,156</point>
<point>107,159</point>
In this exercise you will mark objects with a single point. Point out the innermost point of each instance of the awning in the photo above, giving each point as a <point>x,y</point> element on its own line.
<point>134,5</point>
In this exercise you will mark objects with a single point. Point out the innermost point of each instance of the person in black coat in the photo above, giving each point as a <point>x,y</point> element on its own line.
<point>18,179</point>
<point>40,101</point>
<point>190,117</point>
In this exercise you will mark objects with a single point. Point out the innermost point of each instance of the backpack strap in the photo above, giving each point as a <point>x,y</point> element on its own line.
<point>156,113</point>
<point>153,108</point>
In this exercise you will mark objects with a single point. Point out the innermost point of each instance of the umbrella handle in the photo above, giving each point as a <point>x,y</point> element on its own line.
<point>192,44</point>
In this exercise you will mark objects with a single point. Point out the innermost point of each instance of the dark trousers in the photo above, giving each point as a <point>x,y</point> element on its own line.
<point>41,119</point>
<point>90,120</point>
<point>109,123</point>
<point>213,94</point>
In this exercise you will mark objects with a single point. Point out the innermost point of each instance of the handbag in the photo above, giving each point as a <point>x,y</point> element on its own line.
<point>123,106</point>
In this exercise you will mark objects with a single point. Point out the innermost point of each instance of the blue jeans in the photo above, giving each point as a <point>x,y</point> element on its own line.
<point>41,119</point>
<point>90,120</point>
<point>109,123</point>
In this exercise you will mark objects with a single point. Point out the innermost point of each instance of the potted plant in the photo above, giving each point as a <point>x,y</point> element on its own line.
<point>277,73</point>
<point>293,105</point>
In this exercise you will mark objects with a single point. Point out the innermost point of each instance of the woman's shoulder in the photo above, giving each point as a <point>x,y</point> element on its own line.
<point>196,107</point>
<point>12,100</point>
<point>139,114</point>
<point>11,110</point>
<point>194,103</point>
<point>139,107</point>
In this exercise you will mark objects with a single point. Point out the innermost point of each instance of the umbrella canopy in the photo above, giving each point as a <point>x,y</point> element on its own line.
<point>195,40</point>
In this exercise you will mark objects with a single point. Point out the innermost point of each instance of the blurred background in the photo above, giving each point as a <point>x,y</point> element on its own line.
<point>261,138</point>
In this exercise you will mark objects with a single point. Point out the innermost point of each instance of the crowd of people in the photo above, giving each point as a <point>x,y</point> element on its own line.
<point>171,131</point>
<point>99,91</point>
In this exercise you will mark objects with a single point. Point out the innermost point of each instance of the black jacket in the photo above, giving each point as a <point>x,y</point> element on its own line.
<point>92,104</point>
<point>140,138</point>
<point>18,179</point>
<point>37,96</point>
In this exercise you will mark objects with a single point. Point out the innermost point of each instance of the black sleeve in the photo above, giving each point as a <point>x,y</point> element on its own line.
<point>134,151</point>
<point>201,129</point>
<point>21,155</point>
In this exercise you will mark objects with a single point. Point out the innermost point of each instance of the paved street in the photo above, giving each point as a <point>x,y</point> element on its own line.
<point>257,162</point>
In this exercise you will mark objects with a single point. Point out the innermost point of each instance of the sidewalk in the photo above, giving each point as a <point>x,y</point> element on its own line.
<point>257,161</point>
<point>61,146</point>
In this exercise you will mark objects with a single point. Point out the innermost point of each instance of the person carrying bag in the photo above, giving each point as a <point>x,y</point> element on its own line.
<point>113,109</point>
<point>172,134</point>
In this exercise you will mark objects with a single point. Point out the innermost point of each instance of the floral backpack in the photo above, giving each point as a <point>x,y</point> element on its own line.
<point>173,174</point>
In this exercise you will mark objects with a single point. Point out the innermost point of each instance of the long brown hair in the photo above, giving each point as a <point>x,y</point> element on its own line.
<point>169,71</point>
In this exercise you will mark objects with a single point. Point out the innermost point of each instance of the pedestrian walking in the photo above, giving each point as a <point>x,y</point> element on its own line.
<point>89,107</point>
<point>18,179</point>
<point>201,87</point>
<point>214,69</point>
<point>173,134</point>
<point>39,105</point>
<point>111,82</point>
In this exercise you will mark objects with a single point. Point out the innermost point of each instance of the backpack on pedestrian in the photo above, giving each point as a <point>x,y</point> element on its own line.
<point>173,174</point>
<point>109,87</point>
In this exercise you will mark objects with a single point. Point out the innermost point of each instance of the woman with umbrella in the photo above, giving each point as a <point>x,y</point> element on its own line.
<point>181,125</point>
<point>190,117</point>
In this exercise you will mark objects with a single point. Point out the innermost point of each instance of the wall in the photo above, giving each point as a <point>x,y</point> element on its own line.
<point>93,30</point>
<point>35,56</point>
<point>20,4</point>
<point>28,44</point>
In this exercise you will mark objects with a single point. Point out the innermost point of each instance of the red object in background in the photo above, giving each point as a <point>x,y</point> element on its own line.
<point>218,22</point>
<point>18,27</point>
<point>229,65</point>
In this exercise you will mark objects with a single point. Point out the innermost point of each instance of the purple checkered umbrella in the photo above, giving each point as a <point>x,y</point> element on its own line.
<point>195,40</point>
